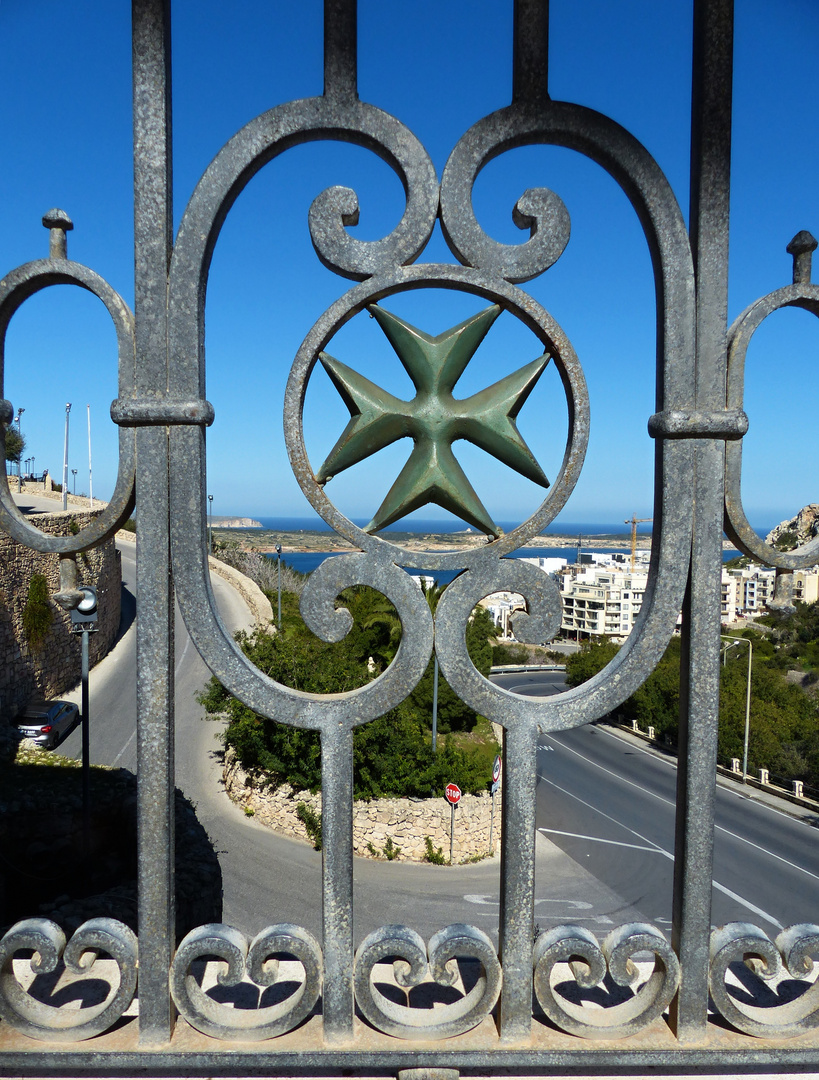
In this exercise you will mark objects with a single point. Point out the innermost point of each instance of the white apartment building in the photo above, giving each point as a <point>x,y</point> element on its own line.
<point>603,596</point>
<point>600,600</point>
<point>501,606</point>
<point>806,585</point>
<point>746,591</point>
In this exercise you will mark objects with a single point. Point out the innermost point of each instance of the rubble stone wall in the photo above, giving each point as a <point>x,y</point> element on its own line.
<point>407,822</point>
<point>54,665</point>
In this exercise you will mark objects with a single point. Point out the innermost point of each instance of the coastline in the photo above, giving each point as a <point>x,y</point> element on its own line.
<point>307,541</point>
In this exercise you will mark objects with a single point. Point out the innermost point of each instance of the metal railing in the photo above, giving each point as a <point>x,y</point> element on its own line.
<point>338,1017</point>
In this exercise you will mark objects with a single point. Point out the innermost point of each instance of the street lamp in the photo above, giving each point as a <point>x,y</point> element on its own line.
<point>279,576</point>
<point>20,433</point>
<point>74,471</point>
<point>65,458</point>
<point>743,641</point>
<point>84,622</point>
<point>210,524</point>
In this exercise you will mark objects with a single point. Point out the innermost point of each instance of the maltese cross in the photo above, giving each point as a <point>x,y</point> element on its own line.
<point>433,419</point>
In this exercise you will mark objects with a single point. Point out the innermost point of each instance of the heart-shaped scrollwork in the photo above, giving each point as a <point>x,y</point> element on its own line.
<point>38,1019</point>
<point>589,963</point>
<point>753,960</point>
<point>413,965</point>
<point>259,960</point>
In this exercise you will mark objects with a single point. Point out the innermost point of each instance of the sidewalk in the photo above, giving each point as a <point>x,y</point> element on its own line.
<point>803,809</point>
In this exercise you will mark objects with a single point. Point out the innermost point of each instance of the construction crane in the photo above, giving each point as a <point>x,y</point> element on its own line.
<point>634,522</point>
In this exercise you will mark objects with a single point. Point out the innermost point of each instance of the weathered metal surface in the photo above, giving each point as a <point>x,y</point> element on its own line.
<point>15,288</point>
<point>796,948</point>
<point>38,1019</point>
<point>801,294</point>
<point>162,412</point>
<point>413,963</point>
<point>591,962</point>
<point>258,961</point>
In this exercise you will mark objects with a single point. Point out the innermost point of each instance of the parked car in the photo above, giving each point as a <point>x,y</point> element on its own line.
<point>47,722</point>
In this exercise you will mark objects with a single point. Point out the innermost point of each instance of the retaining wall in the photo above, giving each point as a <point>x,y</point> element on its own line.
<point>55,665</point>
<point>407,822</point>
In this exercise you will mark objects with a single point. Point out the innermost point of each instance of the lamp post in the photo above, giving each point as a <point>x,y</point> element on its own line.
<point>32,465</point>
<point>279,579</point>
<point>210,524</point>
<point>74,473</point>
<point>90,476</point>
<point>84,622</point>
<point>65,458</point>
<point>740,641</point>
<point>20,433</point>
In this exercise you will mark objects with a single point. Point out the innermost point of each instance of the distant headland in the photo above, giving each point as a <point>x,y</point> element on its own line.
<point>235,523</point>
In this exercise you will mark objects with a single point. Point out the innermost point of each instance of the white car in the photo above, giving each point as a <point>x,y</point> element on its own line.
<point>47,722</point>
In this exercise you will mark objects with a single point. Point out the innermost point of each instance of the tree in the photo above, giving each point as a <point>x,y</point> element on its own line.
<point>393,754</point>
<point>15,444</point>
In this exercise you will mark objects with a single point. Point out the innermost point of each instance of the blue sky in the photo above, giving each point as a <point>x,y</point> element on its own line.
<point>66,134</point>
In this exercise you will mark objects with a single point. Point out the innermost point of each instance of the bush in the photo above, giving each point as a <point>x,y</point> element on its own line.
<point>392,755</point>
<point>37,614</point>
<point>433,855</point>
<point>312,823</point>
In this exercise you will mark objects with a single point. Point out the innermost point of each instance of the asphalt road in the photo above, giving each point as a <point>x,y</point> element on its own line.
<point>605,820</point>
<point>268,878</point>
<point>609,803</point>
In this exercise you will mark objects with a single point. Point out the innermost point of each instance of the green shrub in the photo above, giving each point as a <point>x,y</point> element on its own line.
<point>37,614</point>
<point>433,855</point>
<point>312,823</point>
<point>508,654</point>
<point>391,850</point>
<point>392,755</point>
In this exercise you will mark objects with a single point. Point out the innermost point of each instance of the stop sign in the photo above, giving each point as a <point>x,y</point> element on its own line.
<point>453,794</point>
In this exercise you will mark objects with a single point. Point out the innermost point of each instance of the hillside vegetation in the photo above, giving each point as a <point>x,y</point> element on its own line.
<point>784,727</point>
<point>393,754</point>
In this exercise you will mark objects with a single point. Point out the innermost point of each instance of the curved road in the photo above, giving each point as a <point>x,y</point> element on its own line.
<point>268,878</point>
<point>605,816</point>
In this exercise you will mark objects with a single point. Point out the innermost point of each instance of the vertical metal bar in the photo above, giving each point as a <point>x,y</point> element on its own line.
<point>710,188</point>
<point>340,49</point>
<point>86,747</point>
<point>435,704</point>
<point>530,66</point>
<point>517,881</point>
<point>337,871</point>
<point>152,240</point>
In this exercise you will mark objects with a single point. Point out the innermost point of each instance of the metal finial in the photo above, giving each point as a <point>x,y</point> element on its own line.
<point>802,248</point>
<point>58,223</point>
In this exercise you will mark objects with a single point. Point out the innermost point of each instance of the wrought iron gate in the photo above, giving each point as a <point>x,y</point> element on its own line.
<point>698,426</point>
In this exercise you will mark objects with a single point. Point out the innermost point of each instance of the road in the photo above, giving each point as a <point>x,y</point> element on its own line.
<point>609,803</point>
<point>269,878</point>
<point>605,818</point>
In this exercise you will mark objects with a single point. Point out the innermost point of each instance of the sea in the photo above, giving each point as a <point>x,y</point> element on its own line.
<point>307,561</point>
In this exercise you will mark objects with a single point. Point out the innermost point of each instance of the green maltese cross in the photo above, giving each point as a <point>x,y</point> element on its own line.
<point>433,419</point>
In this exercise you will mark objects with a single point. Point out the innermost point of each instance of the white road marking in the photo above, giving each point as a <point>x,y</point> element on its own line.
<point>597,839</point>
<point>118,758</point>
<point>670,802</point>
<point>668,855</point>
<point>574,905</point>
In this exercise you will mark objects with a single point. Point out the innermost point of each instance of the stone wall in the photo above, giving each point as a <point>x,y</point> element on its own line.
<point>55,665</point>
<point>259,605</point>
<point>407,822</point>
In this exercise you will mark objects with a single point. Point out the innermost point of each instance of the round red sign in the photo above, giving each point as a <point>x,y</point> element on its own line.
<point>453,794</point>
